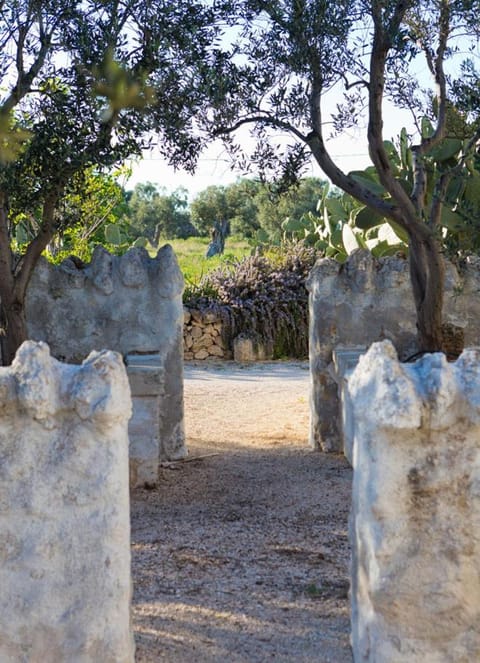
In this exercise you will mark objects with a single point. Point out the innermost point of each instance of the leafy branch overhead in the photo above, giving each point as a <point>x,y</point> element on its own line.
<point>86,84</point>
<point>290,57</point>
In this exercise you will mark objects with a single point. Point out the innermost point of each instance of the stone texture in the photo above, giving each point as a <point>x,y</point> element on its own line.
<point>155,434</point>
<point>367,300</point>
<point>64,509</point>
<point>131,304</point>
<point>146,386</point>
<point>216,351</point>
<point>248,347</point>
<point>415,527</point>
<point>202,336</point>
<point>344,363</point>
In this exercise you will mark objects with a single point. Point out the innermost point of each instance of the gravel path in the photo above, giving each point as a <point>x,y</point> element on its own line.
<point>241,554</point>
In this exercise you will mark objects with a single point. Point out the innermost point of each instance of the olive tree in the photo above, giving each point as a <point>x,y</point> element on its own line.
<point>83,84</point>
<point>289,56</point>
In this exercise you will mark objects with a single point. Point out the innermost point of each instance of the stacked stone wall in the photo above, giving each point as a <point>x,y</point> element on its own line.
<point>203,336</point>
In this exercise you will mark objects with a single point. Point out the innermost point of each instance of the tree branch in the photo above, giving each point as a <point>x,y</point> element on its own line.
<point>6,274</point>
<point>38,244</point>
<point>25,79</point>
<point>382,42</point>
<point>429,142</point>
<point>266,119</point>
<point>317,145</point>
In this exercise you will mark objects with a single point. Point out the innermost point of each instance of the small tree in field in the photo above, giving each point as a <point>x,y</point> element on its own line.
<point>82,86</point>
<point>291,54</point>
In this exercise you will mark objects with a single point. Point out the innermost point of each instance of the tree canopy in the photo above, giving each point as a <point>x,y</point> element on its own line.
<point>85,84</point>
<point>291,55</point>
<point>156,214</point>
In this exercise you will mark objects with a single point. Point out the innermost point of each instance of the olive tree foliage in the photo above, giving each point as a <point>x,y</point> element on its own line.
<point>253,208</point>
<point>291,55</point>
<point>159,215</point>
<point>82,85</point>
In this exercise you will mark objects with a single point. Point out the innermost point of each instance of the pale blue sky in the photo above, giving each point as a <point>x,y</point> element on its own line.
<point>349,150</point>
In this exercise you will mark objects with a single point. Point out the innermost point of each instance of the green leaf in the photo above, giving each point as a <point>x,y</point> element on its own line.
<point>363,178</point>
<point>349,238</point>
<point>362,242</point>
<point>321,245</point>
<point>392,154</point>
<point>455,189</point>
<point>451,220</point>
<point>367,219</point>
<point>385,249</point>
<point>405,151</point>
<point>426,128</point>
<point>378,248</point>
<point>471,194</point>
<point>331,252</point>
<point>293,225</point>
<point>140,242</point>
<point>336,209</point>
<point>336,239</point>
<point>449,148</point>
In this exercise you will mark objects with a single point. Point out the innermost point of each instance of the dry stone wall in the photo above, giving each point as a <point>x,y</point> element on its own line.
<point>64,509</point>
<point>415,525</point>
<point>131,304</point>
<point>367,300</point>
<point>203,336</point>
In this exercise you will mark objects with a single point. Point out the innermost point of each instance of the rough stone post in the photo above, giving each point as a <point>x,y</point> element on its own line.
<point>415,527</point>
<point>155,432</point>
<point>64,510</point>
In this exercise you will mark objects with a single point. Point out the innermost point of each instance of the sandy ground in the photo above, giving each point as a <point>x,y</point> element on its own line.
<point>241,554</point>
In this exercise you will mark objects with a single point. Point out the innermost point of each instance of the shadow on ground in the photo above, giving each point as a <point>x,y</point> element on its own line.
<point>241,554</point>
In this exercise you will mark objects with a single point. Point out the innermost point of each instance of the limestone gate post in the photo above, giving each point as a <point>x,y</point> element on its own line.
<point>415,525</point>
<point>64,509</point>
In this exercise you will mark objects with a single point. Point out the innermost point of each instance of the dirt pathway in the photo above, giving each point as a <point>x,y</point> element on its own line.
<point>242,555</point>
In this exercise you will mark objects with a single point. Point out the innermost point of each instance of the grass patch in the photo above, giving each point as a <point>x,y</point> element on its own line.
<point>191,255</point>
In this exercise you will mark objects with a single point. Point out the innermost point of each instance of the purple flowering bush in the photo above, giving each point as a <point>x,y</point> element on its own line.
<point>261,295</point>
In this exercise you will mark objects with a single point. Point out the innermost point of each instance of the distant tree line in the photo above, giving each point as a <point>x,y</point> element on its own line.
<point>112,215</point>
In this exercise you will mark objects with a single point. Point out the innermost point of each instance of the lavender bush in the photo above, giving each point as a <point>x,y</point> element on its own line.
<point>263,295</point>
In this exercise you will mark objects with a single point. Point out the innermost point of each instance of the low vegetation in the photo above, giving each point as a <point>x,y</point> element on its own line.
<point>263,296</point>
<point>193,263</point>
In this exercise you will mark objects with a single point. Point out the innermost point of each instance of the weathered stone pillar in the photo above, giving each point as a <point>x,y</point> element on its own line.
<point>65,583</point>
<point>415,526</point>
<point>156,430</point>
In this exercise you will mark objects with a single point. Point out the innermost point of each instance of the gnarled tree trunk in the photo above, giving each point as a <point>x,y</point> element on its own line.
<point>427,275</point>
<point>14,329</point>
<point>15,273</point>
